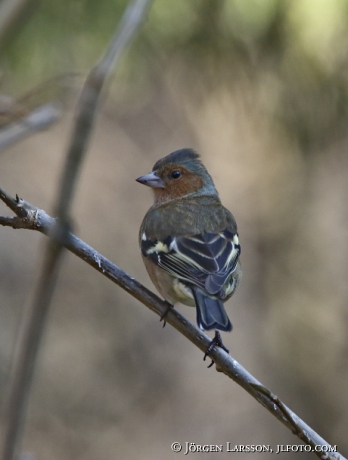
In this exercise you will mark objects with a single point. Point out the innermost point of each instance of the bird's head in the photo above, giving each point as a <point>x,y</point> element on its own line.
<point>179,175</point>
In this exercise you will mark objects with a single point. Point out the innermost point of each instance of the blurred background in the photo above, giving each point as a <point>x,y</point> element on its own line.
<point>260,89</point>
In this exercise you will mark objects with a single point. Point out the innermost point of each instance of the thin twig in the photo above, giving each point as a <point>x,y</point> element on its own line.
<point>37,219</point>
<point>10,11</point>
<point>38,120</point>
<point>34,322</point>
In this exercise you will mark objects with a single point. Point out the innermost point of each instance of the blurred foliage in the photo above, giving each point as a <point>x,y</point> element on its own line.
<point>259,87</point>
<point>295,48</point>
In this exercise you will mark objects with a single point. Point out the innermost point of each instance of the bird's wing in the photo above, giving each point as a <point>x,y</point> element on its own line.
<point>206,260</point>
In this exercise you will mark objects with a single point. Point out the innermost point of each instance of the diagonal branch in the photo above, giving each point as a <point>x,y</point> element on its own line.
<point>38,120</point>
<point>37,219</point>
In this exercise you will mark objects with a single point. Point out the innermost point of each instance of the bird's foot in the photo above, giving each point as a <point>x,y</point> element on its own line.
<point>216,341</point>
<point>165,313</point>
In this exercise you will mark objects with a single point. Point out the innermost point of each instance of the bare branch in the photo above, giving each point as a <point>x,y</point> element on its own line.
<point>38,120</point>
<point>38,219</point>
<point>33,325</point>
<point>14,222</point>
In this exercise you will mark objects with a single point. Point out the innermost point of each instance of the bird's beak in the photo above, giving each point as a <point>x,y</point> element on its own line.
<point>151,180</point>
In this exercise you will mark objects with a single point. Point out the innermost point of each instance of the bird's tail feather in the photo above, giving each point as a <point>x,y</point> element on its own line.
<point>211,313</point>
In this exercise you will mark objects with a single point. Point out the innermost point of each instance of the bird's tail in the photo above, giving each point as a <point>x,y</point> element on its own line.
<point>211,313</point>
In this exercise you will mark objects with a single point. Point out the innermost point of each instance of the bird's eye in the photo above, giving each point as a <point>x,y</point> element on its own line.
<point>175,174</point>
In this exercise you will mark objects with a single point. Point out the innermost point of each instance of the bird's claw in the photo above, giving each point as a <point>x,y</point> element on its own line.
<point>216,341</point>
<point>165,313</point>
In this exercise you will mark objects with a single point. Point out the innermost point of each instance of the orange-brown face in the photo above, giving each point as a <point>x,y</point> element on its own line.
<point>174,181</point>
<point>178,181</point>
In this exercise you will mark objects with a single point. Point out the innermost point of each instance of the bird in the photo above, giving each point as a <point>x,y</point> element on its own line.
<point>189,240</point>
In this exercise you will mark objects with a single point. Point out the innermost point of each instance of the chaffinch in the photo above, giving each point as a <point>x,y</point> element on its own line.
<point>189,240</point>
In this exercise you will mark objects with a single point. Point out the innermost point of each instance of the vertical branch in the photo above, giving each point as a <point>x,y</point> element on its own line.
<point>27,348</point>
<point>33,325</point>
<point>89,100</point>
